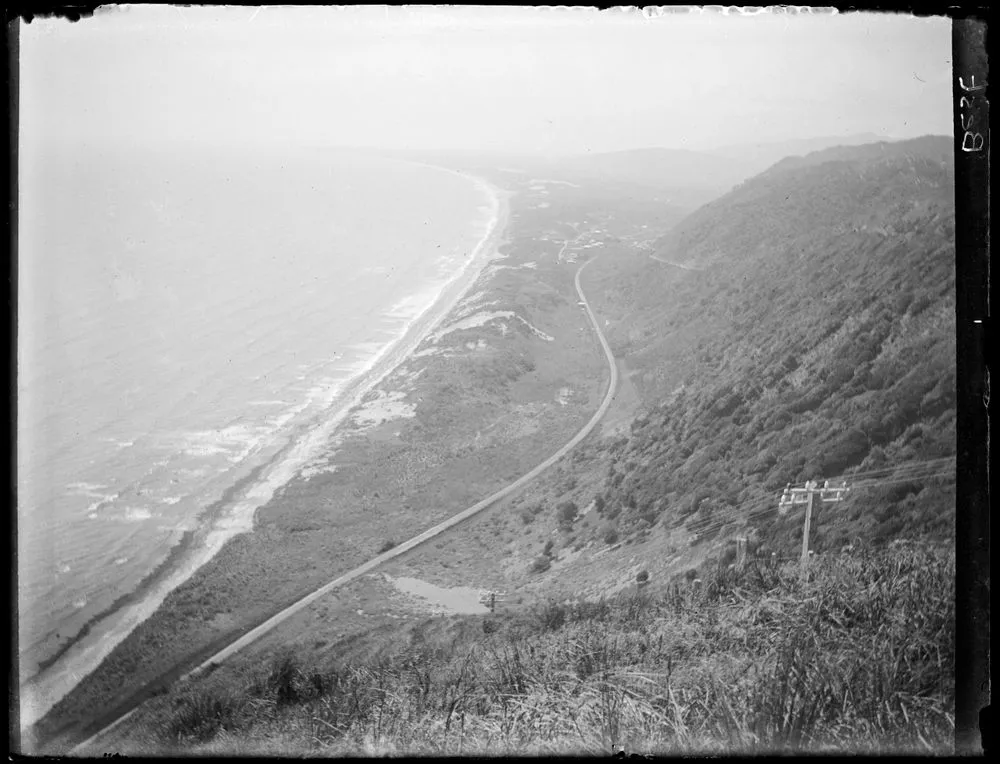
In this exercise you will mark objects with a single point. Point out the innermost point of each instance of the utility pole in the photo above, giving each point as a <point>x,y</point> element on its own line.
<point>793,496</point>
<point>489,599</point>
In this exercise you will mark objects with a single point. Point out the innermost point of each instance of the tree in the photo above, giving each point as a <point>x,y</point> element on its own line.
<point>567,512</point>
<point>642,577</point>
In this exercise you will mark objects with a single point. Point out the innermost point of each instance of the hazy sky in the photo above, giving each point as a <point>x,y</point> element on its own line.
<point>515,79</point>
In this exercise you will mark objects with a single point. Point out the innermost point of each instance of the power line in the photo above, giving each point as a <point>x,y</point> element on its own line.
<point>759,508</point>
<point>905,473</point>
<point>900,475</point>
<point>735,514</point>
<point>855,476</point>
<point>904,479</point>
<point>718,525</point>
<point>910,467</point>
<point>911,473</point>
<point>891,471</point>
<point>720,521</point>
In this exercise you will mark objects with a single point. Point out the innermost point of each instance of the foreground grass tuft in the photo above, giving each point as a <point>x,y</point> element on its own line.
<point>858,658</point>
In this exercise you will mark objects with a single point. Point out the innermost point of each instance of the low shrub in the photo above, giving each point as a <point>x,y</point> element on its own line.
<point>541,564</point>
<point>200,717</point>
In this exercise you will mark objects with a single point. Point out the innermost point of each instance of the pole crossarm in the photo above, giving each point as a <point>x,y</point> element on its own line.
<point>826,492</point>
<point>833,493</point>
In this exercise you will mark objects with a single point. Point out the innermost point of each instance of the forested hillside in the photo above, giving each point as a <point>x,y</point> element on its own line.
<point>809,333</point>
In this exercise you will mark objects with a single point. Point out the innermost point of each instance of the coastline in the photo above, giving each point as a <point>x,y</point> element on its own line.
<point>505,380</point>
<point>235,512</point>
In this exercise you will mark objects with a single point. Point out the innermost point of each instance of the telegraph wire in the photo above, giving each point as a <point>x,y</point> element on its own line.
<point>905,473</point>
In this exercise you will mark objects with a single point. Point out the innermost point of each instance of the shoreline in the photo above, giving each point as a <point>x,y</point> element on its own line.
<point>234,513</point>
<point>465,414</point>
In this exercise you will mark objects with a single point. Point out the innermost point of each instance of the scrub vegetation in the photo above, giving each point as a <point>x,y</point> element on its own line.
<point>857,659</point>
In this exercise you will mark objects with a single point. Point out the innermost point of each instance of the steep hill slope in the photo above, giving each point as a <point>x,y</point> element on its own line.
<point>692,178</point>
<point>810,333</point>
<point>760,156</point>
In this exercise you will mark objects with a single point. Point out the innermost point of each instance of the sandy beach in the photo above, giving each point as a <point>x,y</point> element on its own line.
<point>234,512</point>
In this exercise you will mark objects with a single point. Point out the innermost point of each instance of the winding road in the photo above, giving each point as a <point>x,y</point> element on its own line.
<point>304,602</point>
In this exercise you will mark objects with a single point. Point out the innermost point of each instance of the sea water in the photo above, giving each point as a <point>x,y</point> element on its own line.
<point>184,312</point>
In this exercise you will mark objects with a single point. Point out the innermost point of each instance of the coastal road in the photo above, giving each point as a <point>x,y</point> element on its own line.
<point>647,247</point>
<point>676,265</point>
<point>259,631</point>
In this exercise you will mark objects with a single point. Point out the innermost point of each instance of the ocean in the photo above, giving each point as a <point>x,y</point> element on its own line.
<point>186,315</point>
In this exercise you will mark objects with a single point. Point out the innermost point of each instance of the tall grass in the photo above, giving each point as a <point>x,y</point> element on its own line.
<point>857,658</point>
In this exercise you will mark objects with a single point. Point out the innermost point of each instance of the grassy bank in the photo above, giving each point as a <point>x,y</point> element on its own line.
<point>857,659</point>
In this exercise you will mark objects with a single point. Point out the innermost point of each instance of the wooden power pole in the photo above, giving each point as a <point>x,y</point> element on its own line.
<point>490,598</point>
<point>805,495</point>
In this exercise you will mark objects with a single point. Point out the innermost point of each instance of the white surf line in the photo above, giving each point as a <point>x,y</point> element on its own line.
<point>256,633</point>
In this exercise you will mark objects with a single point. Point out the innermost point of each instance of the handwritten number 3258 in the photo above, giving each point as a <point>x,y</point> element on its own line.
<point>970,141</point>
